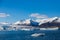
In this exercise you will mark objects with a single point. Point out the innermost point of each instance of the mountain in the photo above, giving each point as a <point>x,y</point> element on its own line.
<point>27,22</point>
<point>34,23</point>
<point>42,21</point>
<point>49,22</point>
<point>4,25</point>
<point>54,22</point>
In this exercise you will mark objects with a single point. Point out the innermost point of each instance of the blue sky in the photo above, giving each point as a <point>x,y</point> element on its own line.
<point>21,9</point>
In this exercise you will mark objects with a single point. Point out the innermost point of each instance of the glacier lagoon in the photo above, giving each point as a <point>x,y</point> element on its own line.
<point>26,35</point>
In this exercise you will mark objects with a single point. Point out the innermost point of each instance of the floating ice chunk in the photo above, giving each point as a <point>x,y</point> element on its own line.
<point>37,34</point>
<point>25,29</point>
<point>56,28</point>
<point>1,28</point>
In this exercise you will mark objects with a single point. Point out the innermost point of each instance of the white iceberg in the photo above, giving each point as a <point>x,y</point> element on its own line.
<point>37,34</point>
<point>56,28</point>
<point>24,29</point>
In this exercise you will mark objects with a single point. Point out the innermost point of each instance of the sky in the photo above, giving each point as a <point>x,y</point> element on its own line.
<point>14,10</point>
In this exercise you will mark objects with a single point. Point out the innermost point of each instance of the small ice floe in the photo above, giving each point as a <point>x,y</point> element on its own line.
<point>25,29</point>
<point>1,28</point>
<point>37,34</point>
<point>56,28</point>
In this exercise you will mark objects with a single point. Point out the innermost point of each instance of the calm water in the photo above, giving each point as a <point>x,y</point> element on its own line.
<point>26,35</point>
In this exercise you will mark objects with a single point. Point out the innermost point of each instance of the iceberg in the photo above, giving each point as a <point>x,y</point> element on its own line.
<point>24,29</point>
<point>56,28</point>
<point>37,34</point>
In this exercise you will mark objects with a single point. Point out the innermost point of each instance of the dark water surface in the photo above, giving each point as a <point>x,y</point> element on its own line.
<point>26,35</point>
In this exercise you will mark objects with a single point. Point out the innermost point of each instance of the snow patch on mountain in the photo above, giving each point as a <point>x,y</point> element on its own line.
<point>41,21</point>
<point>27,21</point>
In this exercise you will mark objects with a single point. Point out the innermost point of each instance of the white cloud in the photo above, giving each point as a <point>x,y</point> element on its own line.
<point>37,15</point>
<point>4,15</point>
<point>4,23</point>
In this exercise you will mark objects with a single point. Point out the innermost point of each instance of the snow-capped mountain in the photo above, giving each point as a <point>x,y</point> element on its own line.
<point>57,20</point>
<point>4,25</point>
<point>40,21</point>
<point>52,22</point>
<point>28,23</point>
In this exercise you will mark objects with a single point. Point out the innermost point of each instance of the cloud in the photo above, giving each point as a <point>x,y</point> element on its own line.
<point>4,15</point>
<point>37,15</point>
<point>4,23</point>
